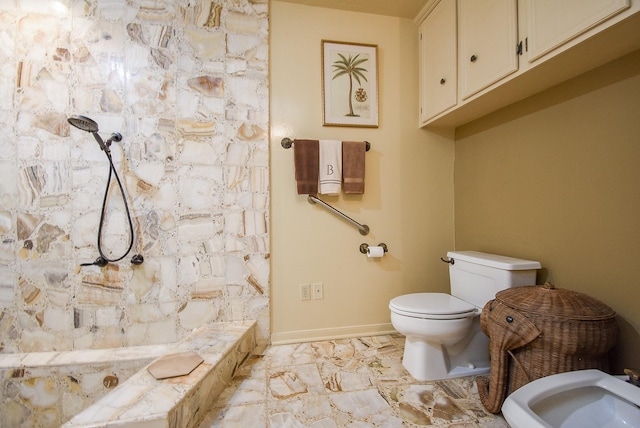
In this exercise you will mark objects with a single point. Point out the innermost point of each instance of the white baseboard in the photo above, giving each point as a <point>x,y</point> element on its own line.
<point>331,333</point>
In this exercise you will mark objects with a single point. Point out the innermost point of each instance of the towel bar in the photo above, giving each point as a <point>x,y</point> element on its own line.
<point>363,228</point>
<point>288,142</point>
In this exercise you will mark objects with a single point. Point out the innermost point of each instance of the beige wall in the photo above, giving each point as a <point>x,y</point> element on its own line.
<point>553,178</point>
<point>408,202</point>
<point>556,178</point>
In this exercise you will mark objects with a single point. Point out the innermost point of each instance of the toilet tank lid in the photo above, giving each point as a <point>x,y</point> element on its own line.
<point>494,260</point>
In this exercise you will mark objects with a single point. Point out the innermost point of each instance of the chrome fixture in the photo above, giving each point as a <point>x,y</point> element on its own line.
<point>364,247</point>
<point>287,143</point>
<point>363,228</point>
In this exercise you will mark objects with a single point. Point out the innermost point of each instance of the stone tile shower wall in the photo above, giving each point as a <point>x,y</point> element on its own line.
<point>186,84</point>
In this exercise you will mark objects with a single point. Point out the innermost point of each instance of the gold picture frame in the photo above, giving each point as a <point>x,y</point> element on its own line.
<point>349,84</point>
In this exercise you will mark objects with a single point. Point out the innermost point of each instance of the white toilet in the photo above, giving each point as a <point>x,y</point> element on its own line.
<point>443,335</point>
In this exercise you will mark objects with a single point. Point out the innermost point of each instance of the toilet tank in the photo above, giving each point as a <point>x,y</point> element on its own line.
<point>476,277</point>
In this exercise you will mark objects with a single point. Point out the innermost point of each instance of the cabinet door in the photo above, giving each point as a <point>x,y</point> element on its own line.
<point>488,38</point>
<point>438,60</point>
<point>552,23</point>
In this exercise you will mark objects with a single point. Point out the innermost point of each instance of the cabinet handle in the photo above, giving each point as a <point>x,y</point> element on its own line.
<point>443,81</point>
<point>473,58</point>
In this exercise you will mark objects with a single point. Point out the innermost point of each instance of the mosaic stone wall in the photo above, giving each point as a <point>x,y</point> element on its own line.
<point>186,84</point>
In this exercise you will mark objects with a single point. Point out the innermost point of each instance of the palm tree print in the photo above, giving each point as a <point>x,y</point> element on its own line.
<point>351,67</point>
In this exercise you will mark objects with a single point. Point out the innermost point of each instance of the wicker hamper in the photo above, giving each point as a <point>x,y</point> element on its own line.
<point>537,331</point>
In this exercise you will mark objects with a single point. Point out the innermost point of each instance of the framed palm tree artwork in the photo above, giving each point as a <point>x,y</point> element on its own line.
<point>350,84</point>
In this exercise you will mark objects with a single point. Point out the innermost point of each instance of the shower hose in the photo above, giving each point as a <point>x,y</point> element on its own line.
<point>84,123</point>
<point>103,260</point>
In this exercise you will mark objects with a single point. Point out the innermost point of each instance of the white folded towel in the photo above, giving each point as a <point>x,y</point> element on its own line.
<point>330,173</point>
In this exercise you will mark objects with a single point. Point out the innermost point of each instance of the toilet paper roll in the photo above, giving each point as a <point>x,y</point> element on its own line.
<point>374,251</point>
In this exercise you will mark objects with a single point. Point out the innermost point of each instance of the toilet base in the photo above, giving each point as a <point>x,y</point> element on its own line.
<point>427,361</point>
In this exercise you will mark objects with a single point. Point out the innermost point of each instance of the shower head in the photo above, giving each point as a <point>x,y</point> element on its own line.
<point>83,123</point>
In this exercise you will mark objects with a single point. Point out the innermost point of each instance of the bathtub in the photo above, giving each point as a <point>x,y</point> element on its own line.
<point>111,387</point>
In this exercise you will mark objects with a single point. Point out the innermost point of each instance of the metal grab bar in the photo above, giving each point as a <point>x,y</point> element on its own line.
<point>363,228</point>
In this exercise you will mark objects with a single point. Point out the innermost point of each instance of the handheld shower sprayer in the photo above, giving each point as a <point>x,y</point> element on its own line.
<point>83,123</point>
<point>89,125</point>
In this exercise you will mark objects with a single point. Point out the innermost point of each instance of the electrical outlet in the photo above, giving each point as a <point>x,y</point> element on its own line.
<point>305,292</point>
<point>318,292</point>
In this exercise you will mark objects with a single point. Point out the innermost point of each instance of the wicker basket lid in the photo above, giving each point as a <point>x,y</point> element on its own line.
<point>549,301</point>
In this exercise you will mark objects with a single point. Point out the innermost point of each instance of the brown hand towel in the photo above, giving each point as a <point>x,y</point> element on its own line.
<point>306,154</point>
<point>353,166</point>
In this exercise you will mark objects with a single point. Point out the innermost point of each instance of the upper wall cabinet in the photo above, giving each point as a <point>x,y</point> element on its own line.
<point>438,66</point>
<point>501,51</point>
<point>551,23</point>
<point>488,36</point>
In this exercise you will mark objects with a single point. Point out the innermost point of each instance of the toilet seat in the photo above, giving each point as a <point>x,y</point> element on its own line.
<point>438,306</point>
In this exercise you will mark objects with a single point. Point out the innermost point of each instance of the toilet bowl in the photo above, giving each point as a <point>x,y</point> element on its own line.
<point>580,399</point>
<point>451,324</point>
<point>443,334</point>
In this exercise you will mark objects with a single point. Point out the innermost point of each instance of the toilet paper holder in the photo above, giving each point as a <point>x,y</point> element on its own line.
<point>365,247</point>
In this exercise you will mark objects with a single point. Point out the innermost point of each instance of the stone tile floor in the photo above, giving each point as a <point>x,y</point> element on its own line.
<point>353,383</point>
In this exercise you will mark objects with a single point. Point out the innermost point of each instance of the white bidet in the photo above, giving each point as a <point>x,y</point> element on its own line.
<point>577,399</point>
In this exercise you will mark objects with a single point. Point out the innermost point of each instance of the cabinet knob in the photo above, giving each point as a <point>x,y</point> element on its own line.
<point>473,58</point>
<point>443,81</point>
